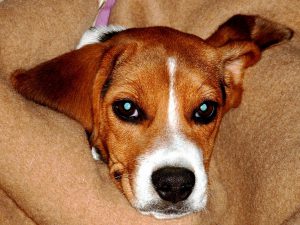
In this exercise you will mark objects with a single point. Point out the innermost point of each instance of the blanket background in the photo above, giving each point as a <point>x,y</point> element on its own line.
<point>47,175</point>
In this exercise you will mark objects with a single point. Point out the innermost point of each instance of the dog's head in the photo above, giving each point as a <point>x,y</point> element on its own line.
<point>152,100</point>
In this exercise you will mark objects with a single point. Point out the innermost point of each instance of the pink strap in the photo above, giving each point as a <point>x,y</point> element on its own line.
<point>103,14</point>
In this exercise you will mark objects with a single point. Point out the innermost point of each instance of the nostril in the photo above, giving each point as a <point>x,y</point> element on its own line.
<point>173,184</point>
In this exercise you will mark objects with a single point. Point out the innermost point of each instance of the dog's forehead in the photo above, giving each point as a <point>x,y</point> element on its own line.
<point>153,47</point>
<point>146,71</point>
<point>151,68</point>
<point>146,79</point>
<point>174,42</point>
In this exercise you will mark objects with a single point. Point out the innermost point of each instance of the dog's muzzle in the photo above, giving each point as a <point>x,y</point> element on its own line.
<point>170,180</point>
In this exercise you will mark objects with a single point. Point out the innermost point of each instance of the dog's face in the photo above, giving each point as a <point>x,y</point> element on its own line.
<point>160,113</point>
<point>152,100</point>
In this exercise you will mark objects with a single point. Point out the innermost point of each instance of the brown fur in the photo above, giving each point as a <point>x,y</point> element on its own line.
<point>263,32</point>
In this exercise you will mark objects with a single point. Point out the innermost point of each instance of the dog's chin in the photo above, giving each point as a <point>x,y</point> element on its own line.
<point>163,210</point>
<point>165,215</point>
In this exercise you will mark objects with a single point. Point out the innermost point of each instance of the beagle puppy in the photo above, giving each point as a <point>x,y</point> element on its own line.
<point>152,100</point>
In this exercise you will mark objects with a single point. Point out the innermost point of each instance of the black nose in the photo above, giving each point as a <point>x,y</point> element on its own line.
<point>173,184</point>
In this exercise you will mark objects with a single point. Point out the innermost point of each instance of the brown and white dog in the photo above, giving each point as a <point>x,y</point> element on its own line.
<point>152,100</point>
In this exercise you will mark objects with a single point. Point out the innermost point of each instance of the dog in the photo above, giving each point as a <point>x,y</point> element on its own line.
<point>152,100</point>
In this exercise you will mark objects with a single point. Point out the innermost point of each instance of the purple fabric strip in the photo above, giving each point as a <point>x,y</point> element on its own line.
<point>103,14</point>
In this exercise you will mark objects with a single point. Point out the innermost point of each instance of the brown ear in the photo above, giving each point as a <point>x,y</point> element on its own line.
<point>240,41</point>
<point>66,83</point>
<point>236,57</point>
<point>264,33</point>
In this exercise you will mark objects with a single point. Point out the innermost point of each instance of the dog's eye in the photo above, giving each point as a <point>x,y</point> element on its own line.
<point>205,112</point>
<point>127,110</point>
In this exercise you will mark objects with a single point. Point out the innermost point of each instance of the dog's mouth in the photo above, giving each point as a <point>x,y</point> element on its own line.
<point>166,211</point>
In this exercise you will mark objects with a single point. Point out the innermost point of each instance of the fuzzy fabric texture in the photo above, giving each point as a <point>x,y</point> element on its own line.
<point>47,175</point>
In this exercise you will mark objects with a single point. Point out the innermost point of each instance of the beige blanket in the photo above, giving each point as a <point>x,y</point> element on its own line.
<point>47,175</point>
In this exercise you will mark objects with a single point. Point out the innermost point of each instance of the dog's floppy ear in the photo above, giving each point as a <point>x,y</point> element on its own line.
<point>264,33</point>
<point>240,41</point>
<point>66,83</point>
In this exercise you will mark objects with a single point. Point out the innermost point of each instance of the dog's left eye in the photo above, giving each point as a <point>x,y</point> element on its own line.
<point>205,112</point>
<point>127,110</point>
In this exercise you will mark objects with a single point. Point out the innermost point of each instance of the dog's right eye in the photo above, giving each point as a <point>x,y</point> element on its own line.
<point>127,110</point>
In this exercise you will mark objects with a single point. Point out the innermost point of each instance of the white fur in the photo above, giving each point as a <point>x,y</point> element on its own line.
<point>172,106</point>
<point>175,150</point>
<point>95,34</point>
<point>95,154</point>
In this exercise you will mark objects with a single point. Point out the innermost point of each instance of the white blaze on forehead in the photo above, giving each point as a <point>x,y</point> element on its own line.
<point>172,107</point>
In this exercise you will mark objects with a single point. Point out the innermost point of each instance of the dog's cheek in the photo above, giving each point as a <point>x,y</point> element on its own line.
<point>206,140</point>
<point>116,172</point>
<point>123,179</point>
<point>127,185</point>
